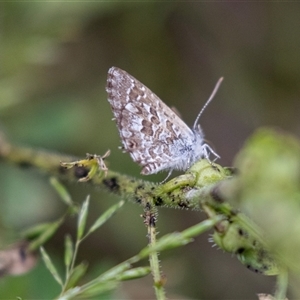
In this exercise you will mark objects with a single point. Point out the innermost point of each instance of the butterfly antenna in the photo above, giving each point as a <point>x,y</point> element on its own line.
<point>208,101</point>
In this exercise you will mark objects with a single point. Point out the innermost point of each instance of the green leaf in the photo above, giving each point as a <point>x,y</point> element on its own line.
<point>82,217</point>
<point>50,266</point>
<point>201,227</point>
<point>35,230</point>
<point>76,275</point>
<point>69,250</point>
<point>62,191</point>
<point>105,216</point>
<point>45,236</point>
<point>178,239</point>
<point>113,272</point>
<point>134,273</point>
<point>90,290</point>
<point>70,294</point>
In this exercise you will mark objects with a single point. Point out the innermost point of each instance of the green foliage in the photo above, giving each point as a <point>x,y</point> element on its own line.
<point>267,190</point>
<point>82,218</point>
<point>54,62</point>
<point>267,181</point>
<point>50,266</point>
<point>104,283</point>
<point>109,280</point>
<point>48,230</point>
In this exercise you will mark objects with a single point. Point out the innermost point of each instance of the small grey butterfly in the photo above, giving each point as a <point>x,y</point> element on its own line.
<point>153,134</point>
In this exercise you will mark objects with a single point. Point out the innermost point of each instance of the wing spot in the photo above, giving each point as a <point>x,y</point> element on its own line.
<point>166,150</point>
<point>157,133</point>
<point>132,145</point>
<point>147,129</point>
<point>153,112</point>
<point>155,120</point>
<point>170,128</point>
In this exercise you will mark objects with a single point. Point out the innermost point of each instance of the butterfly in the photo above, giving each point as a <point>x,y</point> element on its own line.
<point>153,134</point>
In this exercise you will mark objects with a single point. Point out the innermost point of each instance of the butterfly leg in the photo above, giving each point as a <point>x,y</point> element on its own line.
<point>169,174</point>
<point>207,150</point>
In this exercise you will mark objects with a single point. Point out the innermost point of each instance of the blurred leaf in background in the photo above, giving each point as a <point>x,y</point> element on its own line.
<point>54,61</point>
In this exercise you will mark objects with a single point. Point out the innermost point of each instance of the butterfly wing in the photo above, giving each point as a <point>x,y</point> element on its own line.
<point>151,132</point>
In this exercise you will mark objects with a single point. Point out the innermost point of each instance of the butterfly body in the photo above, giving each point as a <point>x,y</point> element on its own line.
<point>153,134</point>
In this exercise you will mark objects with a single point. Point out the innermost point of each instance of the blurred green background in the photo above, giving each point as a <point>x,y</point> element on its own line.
<point>54,61</point>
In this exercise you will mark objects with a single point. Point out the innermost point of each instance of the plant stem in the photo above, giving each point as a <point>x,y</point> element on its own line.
<point>281,285</point>
<point>153,256</point>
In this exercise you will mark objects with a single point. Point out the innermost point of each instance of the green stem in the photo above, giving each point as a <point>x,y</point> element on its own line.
<point>153,257</point>
<point>281,285</point>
